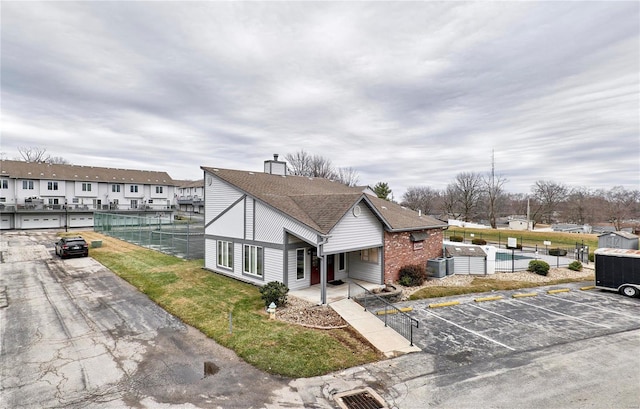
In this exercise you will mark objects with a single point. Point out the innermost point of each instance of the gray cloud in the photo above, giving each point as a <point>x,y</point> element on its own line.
<point>407,93</point>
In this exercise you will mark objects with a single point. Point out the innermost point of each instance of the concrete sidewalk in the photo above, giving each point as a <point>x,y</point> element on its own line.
<point>385,339</point>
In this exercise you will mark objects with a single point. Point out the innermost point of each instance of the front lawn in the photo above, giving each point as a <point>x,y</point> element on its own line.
<point>204,300</point>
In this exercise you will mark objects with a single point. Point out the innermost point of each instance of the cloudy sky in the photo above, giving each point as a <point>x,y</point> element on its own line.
<point>409,93</point>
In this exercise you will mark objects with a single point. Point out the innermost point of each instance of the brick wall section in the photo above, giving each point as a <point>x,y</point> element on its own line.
<point>400,251</point>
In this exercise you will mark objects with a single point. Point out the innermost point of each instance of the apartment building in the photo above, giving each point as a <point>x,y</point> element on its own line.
<point>44,195</point>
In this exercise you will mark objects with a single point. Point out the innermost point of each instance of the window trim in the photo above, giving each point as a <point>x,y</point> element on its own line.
<point>369,255</point>
<point>224,248</point>
<point>254,256</point>
<point>304,264</point>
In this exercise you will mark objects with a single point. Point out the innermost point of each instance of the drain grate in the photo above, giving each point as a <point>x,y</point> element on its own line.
<point>360,399</point>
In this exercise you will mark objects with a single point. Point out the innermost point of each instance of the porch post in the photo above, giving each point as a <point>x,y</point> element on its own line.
<point>323,270</point>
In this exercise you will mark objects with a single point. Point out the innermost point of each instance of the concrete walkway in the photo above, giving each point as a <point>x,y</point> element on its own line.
<point>385,339</point>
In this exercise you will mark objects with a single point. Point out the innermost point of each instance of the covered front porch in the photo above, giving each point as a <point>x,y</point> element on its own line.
<point>335,291</point>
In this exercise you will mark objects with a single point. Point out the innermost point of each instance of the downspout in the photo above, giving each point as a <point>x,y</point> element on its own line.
<point>323,269</point>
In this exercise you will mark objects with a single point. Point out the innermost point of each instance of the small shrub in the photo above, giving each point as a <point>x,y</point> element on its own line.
<point>592,257</point>
<point>557,252</point>
<point>412,275</point>
<point>274,292</point>
<point>456,238</point>
<point>575,266</point>
<point>539,267</point>
<point>479,242</point>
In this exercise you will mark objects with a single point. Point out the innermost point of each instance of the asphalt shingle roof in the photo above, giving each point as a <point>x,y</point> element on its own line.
<point>32,170</point>
<point>320,203</point>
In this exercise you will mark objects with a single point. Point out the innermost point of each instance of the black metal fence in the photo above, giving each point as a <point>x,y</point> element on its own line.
<point>183,240</point>
<point>391,315</point>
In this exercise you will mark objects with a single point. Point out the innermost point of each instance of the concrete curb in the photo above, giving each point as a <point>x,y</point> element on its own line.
<point>492,298</point>
<point>444,304</point>
<point>522,295</point>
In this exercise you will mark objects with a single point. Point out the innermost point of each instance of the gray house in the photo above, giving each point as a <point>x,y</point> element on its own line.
<point>302,231</point>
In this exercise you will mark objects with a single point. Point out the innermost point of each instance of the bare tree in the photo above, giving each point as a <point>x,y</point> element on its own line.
<point>463,196</point>
<point>299,163</point>
<point>621,205</point>
<point>549,195</point>
<point>303,164</point>
<point>33,154</point>
<point>422,198</point>
<point>493,189</point>
<point>38,155</point>
<point>347,176</point>
<point>58,160</point>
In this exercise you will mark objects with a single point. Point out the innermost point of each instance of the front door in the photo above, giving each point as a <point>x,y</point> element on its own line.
<point>330,268</point>
<point>315,267</point>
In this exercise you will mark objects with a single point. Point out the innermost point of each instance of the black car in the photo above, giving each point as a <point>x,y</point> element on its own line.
<point>72,246</point>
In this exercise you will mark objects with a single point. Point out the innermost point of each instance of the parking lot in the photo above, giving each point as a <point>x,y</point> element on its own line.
<point>474,331</point>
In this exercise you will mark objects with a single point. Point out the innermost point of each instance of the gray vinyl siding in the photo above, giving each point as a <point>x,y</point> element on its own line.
<point>219,196</point>
<point>230,223</point>
<point>248,218</point>
<point>470,265</point>
<point>270,225</point>
<point>353,232</point>
<point>295,284</point>
<point>365,271</point>
<point>210,254</point>
<point>273,265</point>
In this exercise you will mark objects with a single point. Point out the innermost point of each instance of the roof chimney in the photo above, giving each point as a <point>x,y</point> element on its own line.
<point>275,167</point>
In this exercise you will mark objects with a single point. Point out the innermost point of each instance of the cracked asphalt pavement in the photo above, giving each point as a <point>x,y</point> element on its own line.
<point>74,335</point>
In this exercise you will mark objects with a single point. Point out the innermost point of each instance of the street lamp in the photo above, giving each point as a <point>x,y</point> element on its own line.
<point>66,216</point>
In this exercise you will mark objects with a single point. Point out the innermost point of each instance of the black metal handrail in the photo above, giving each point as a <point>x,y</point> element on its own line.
<point>392,316</point>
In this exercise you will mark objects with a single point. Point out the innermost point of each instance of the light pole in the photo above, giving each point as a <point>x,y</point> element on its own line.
<point>66,216</point>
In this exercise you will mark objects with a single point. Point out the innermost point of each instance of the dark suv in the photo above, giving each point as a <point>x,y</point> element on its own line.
<point>72,246</point>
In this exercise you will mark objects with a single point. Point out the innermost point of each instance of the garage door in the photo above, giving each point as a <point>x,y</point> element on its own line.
<point>40,222</point>
<point>6,221</point>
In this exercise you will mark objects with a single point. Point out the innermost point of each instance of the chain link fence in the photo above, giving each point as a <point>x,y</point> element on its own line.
<point>181,239</point>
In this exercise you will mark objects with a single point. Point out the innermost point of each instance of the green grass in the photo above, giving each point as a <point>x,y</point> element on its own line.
<point>481,285</point>
<point>527,238</point>
<point>204,300</point>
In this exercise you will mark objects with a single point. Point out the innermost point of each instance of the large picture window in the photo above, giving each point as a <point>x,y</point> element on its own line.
<point>225,254</point>
<point>369,255</point>
<point>300,258</point>
<point>253,260</point>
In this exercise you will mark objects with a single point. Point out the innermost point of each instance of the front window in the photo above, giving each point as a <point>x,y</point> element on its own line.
<point>27,184</point>
<point>5,184</point>
<point>53,201</point>
<point>300,259</point>
<point>115,188</point>
<point>225,254</point>
<point>134,204</point>
<point>369,255</point>
<point>52,185</point>
<point>253,260</point>
<point>86,187</point>
<point>159,189</point>
<point>342,262</point>
<point>134,189</point>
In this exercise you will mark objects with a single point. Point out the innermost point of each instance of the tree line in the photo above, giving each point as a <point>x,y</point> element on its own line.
<point>481,197</point>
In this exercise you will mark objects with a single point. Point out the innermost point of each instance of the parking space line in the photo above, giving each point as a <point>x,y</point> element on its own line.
<point>596,307</point>
<point>564,315</point>
<point>469,330</point>
<point>492,312</point>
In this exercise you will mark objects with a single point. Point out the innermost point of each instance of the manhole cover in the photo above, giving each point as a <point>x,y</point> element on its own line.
<point>360,399</point>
